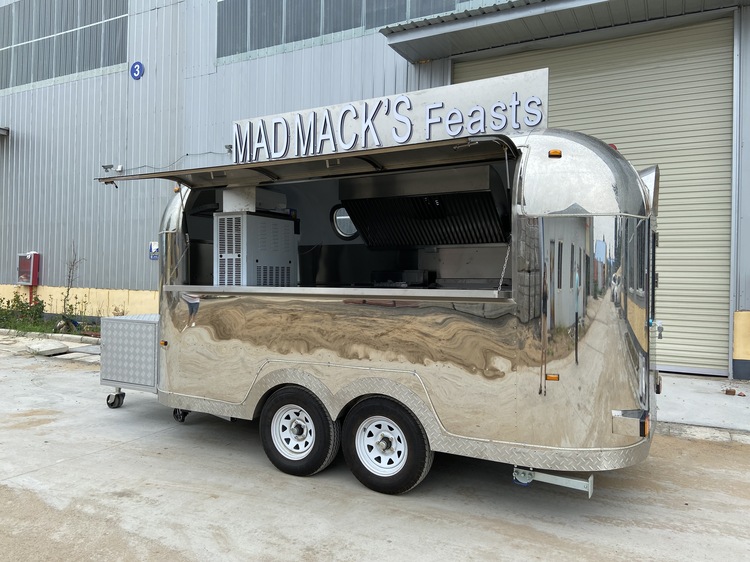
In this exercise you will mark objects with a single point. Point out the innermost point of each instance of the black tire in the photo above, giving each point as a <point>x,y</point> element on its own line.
<point>385,446</point>
<point>115,400</point>
<point>180,415</point>
<point>298,435</point>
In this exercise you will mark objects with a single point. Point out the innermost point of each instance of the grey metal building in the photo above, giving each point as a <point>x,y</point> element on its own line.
<point>115,87</point>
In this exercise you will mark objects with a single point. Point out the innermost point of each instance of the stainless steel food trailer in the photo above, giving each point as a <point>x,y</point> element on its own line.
<point>397,301</point>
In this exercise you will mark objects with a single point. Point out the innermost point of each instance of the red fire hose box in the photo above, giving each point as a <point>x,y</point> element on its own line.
<point>28,268</point>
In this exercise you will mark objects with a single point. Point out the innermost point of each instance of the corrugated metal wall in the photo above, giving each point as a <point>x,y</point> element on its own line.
<point>178,115</point>
<point>63,130</point>
<point>306,74</point>
<point>650,95</point>
<point>666,99</point>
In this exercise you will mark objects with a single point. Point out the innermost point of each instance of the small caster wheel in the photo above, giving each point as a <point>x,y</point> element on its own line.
<point>180,415</point>
<point>115,400</point>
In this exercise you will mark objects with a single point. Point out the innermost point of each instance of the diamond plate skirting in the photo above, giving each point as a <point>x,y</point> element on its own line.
<point>519,454</point>
<point>548,458</point>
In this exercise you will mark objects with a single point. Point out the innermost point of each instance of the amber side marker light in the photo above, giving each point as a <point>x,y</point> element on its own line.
<point>645,424</point>
<point>164,343</point>
<point>555,153</point>
<point>552,377</point>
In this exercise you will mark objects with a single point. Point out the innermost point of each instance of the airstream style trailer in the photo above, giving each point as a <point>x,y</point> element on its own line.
<point>444,296</point>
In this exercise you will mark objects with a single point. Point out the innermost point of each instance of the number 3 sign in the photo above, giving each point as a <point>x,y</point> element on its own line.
<point>137,70</point>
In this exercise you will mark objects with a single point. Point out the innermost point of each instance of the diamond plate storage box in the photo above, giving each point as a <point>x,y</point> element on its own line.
<point>129,351</point>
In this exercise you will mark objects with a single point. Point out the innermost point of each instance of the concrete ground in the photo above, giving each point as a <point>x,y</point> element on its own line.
<point>80,481</point>
<point>704,407</point>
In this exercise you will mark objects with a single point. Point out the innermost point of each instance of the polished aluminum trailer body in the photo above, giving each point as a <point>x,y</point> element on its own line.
<point>509,351</point>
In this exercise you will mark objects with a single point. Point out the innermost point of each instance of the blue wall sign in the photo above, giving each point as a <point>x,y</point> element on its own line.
<point>137,70</point>
<point>153,251</point>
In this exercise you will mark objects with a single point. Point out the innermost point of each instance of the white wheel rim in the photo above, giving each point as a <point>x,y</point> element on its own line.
<point>381,446</point>
<point>293,432</point>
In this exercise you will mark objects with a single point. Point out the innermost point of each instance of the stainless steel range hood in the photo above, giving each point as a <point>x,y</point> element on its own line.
<point>436,207</point>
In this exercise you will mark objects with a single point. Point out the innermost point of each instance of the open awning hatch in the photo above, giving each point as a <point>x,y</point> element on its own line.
<point>407,158</point>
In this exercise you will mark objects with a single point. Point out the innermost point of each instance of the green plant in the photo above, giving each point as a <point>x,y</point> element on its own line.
<point>75,306</point>
<point>17,314</point>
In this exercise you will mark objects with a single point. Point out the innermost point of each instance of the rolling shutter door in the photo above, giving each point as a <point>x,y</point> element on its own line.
<point>663,98</point>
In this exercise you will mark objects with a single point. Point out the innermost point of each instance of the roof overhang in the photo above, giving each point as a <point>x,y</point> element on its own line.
<point>535,24</point>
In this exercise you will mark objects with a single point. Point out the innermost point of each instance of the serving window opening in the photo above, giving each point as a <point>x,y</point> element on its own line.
<point>442,228</point>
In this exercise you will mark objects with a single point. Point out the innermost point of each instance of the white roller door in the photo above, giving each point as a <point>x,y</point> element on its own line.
<point>663,98</point>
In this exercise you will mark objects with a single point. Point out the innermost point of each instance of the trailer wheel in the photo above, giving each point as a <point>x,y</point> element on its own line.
<point>298,435</point>
<point>385,446</point>
<point>180,415</point>
<point>115,400</point>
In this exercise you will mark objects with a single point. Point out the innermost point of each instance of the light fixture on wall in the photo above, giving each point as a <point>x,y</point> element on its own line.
<point>229,148</point>
<point>107,167</point>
